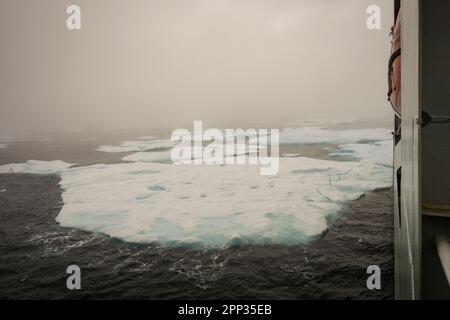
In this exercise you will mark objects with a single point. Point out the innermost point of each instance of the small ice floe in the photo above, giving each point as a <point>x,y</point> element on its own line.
<point>290,155</point>
<point>2,190</point>
<point>6,141</point>
<point>36,167</point>
<point>160,156</point>
<point>316,135</point>
<point>137,146</point>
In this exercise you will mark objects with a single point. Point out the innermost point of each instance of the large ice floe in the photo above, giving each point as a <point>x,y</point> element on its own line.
<point>203,206</point>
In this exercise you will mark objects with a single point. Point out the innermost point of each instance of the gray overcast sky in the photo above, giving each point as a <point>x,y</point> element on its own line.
<point>146,63</point>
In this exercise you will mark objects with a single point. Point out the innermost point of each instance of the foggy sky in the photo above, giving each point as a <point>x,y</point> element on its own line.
<point>165,63</point>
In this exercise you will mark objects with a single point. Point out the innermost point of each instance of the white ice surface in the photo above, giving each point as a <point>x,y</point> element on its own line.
<point>215,206</point>
<point>160,156</point>
<point>316,135</point>
<point>379,152</point>
<point>36,167</point>
<point>136,146</point>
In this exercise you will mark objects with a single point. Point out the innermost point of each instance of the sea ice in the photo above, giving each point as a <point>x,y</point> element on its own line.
<point>135,146</point>
<point>212,206</point>
<point>316,135</point>
<point>36,167</point>
<point>160,156</point>
<point>215,206</point>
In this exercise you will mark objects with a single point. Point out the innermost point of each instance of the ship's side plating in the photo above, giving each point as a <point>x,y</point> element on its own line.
<point>406,162</point>
<point>422,153</point>
<point>435,142</point>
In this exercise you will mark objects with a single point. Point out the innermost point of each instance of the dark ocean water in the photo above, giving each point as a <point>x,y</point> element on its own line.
<point>35,252</point>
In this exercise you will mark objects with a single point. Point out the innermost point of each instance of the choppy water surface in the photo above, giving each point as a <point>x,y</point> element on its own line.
<point>341,226</point>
